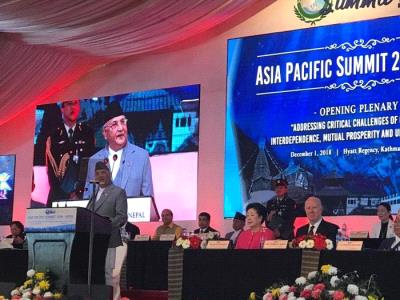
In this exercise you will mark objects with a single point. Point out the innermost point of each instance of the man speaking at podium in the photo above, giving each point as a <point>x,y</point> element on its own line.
<point>130,165</point>
<point>111,202</point>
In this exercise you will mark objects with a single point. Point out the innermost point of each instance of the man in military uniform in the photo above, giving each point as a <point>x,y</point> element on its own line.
<point>281,211</point>
<point>65,148</point>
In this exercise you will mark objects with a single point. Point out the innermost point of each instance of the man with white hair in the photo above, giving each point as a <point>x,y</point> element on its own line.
<point>316,224</point>
<point>393,243</point>
<point>129,164</point>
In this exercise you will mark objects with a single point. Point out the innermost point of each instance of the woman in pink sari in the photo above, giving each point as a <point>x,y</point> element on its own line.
<point>256,234</point>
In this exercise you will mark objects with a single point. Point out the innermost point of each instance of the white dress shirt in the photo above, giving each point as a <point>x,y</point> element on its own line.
<point>99,192</point>
<point>235,235</point>
<point>316,225</point>
<point>114,165</point>
<point>68,128</point>
<point>396,241</point>
<point>376,229</point>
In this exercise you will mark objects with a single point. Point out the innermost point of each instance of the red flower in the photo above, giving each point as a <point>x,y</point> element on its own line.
<point>195,242</point>
<point>338,295</point>
<point>316,293</point>
<point>319,286</point>
<point>292,289</point>
<point>305,294</point>
<point>269,297</point>
<point>297,240</point>
<point>319,243</point>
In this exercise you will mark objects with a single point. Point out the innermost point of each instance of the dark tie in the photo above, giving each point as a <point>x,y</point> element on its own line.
<point>70,134</point>
<point>311,230</point>
<point>396,247</point>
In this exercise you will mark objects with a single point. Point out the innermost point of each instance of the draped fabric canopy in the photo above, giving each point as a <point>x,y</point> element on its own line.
<point>46,45</point>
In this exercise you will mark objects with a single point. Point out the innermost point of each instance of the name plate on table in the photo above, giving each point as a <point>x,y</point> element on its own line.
<point>6,243</point>
<point>359,234</point>
<point>349,245</point>
<point>217,245</point>
<point>275,244</point>
<point>142,238</point>
<point>167,237</point>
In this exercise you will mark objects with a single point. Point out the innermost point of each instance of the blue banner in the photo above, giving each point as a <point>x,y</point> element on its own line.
<point>318,107</point>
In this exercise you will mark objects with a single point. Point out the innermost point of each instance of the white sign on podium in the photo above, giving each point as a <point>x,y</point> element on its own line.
<point>50,219</point>
<point>140,209</point>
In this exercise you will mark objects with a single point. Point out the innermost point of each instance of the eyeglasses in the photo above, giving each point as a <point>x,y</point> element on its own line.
<point>113,125</point>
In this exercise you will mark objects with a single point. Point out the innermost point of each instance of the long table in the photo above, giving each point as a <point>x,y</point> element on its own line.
<point>228,274</point>
<point>147,265</point>
<point>233,274</point>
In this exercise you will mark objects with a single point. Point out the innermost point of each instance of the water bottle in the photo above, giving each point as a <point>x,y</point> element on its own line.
<point>262,242</point>
<point>339,236</point>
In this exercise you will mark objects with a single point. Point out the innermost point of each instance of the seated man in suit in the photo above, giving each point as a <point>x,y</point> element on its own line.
<point>238,222</point>
<point>204,223</point>
<point>132,230</point>
<point>393,243</point>
<point>317,224</point>
<point>168,226</point>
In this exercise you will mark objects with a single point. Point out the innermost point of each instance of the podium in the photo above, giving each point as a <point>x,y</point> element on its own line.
<point>58,240</point>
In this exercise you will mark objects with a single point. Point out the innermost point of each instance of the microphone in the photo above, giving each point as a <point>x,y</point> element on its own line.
<point>115,157</point>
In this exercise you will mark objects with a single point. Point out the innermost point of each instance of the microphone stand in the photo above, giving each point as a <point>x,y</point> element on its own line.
<point>91,239</point>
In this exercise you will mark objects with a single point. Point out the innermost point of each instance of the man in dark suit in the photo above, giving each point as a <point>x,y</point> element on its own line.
<point>204,224</point>
<point>111,202</point>
<point>393,243</point>
<point>238,222</point>
<point>65,148</point>
<point>316,224</point>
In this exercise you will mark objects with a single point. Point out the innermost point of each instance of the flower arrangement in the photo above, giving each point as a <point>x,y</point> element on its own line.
<point>316,242</point>
<point>192,242</point>
<point>37,286</point>
<point>196,241</point>
<point>324,284</point>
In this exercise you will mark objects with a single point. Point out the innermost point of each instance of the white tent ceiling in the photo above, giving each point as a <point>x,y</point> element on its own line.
<point>46,45</point>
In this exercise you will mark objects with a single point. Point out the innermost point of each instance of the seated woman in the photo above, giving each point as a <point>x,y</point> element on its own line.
<point>256,234</point>
<point>384,228</point>
<point>17,234</point>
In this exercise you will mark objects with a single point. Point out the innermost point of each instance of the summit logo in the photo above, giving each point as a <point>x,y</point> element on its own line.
<point>313,11</point>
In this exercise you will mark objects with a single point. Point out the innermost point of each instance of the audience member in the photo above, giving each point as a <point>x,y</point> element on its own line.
<point>238,222</point>
<point>316,224</point>
<point>384,228</point>
<point>254,237</point>
<point>393,243</point>
<point>204,224</point>
<point>168,226</point>
<point>17,234</point>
